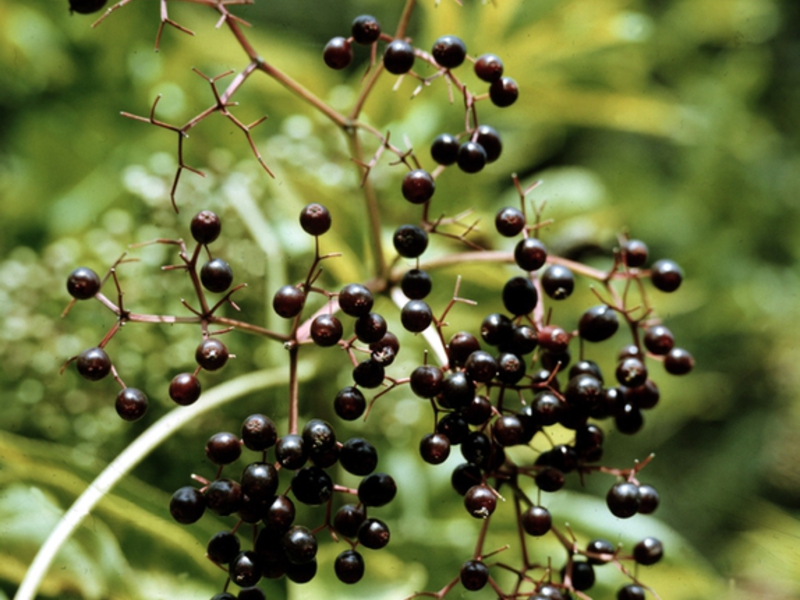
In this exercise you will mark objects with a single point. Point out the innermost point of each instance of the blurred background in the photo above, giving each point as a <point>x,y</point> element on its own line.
<point>675,121</point>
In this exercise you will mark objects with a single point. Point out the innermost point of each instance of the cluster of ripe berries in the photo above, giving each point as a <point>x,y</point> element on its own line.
<point>482,144</point>
<point>281,546</point>
<point>215,275</point>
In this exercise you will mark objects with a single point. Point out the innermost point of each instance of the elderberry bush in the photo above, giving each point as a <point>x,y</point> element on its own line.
<point>373,358</point>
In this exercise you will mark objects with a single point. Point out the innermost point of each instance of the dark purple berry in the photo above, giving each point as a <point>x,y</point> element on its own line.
<point>426,381</point>
<point>416,316</point>
<point>299,544</point>
<point>418,186</point>
<point>83,283</point>
<point>582,574</point>
<point>460,346</point>
<point>348,519</point>
<point>245,569</point>
<point>530,254</point>
<point>349,566</point>
<point>503,92</point>
<point>623,499</point>
<point>131,404</point>
<point>410,241</point>
<point>549,479</point>
<point>558,282</point>
<point>301,573</point>
<point>365,29</point>
<point>600,546</point>
<point>355,300</point>
<point>416,284</point>
<point>373,534</point>
<point>187,505</point>
<point>211,354</point>
<point>509,221</point>
<point>223,448</point>
<point>377,489</point>
<point>648,552</point>
<point>184,389</point>
<point>481,366</point>
<point>444,149</point>
<point>398,58</point>
<point>315,219</point>
<point>326,331</point>
<point>312,485</point>
<point>449,51</point>
<point>288,301</point>
<point>634,253</point>
<point>434,448</point>
<point>205,227</point>
<point>290,451</point>
<point>216,275</point>
<point>94,364</point>
<point>223,547</point>
<point>490,140</point>
<point>519,296</point>
<point>385,350</point>
<point>370,328</point>
<point>598,323</point>
<point>224,497</point>
<point>666,275</point>
<point>480,501</point>
<point>659,340</point>
<point>471,157</point>
<point>457,390</point>
<point>631,592</point>
<point>368,374</point>
<point>259,481</point>
<point>648,499</point>
<point>474,575</point>
<point>258,432</point>
<point>85,7</point>
<point>464,477</point>
<point>496,329</point>
<point>678,362</point>
<point>358,457</point>
<point>631,372</point>
<point>349,403</point>
<point>337,54</point>
<point>536,521</point>
<point>489,68</point>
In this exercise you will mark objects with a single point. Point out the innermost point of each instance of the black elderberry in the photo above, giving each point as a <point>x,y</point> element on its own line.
<point>558,282</point>
<point>377,489</point>
<point>434,448</point>
<point>507,430</point>
<point>410,241</point>
<point>666,275</point>
<point>278,515</point>
<point>471,157</point>
<point>418,186</point>
<point>461,345</point>
<point>631,372</point>
<point>634,252</point>
<point>536,521</point>
<point>245,569</point>
<point>337,54</point>
<point>211,354</point>
<point>629,351</point>
<point>481,366</point>
<point>398,58</point>
<point>631,592</point>
<point>385,350</point>
<point>645,396</point>
<point>547,408</point>
<point>426,381</point>
<point>503,92</point>
<point>184,389</point>
<point>223,547</point>
<point>187,505</point>
<point>93,364</point>
<point>589,442</point>
<point>370,328</point>
<point>478,411</point>
<point>416,316</point>
<point>598,323</point>
<point>85,7</point>
<point>131,404</point>
<point>258,432</point>
<point>453,425</point>
<point>510,368</point>
<point>315,219</point>
<point>326,330</point>
<point>584,392</point>
<point>349,403</point>
<point>444,149</point>
<point>358,456</point>
<point>355,300</point>
<point>349,566</point>
<point>368,374</point>
<point>301,573</point>
<point>290,451</point>
<point>252,593</point>
<point>586,367</point>
<point>648,499</point>
<point>489,68</point>
<point>312,485</point>
<point>524,340</point>
<point>648,552</point>
<point>348,519</point>
<point>496,329</point>
<point>623,499</point>
<point>250,510</point>
<point>449,51</point>
<point>365,29</point>
<point>628,419</point>
<point>480,501</point>
<point>299,544</point>
<point>318,436</point>
<point>474,575</point>
<point>549,479</point>
<point>519,296</point>
<point>509,221</point>
<point>223,448</point>
<point>259,481</point>
<point>659,340</point>
<point>465,476</point>
<point>216,275</point>
<point>224,497</point>
<point>416,284</point>
<point>373,534</point>
<point>678,362</point>
<point>530,254</point>
<point>582,575</point>
<point>489,138</point>
<point>288,301</point>
<point>457,390</point>
<point>477,448</point>
<point>83,283</point>
<point>205,227</point>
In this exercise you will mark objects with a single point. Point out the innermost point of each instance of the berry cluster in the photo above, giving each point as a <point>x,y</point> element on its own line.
<point>508,379</point>
<point>282,547</point>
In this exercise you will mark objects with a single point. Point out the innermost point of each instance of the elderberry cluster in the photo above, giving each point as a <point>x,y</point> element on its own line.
<point>281,546</point>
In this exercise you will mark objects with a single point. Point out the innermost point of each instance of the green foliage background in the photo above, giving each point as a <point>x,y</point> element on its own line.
<point>675,120</point>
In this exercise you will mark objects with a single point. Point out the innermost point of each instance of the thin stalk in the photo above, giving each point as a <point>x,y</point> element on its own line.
<point>132,456</point>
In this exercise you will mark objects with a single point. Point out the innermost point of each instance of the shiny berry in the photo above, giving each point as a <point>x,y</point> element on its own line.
<point>631,592</point>
<point>623,499</point>
<point>418,186</point>
<point>598,323</point>
<point>94,364</point>
<point>299,544</point>
<point>216,275</point>
<point>290,451</point>
<point>558,282</point>
<point>131,404</point>
<point>312,485</point>
<point>349,403</point>
<point>416,284</point>
<point>471,157</point>
<point>315,219</point>
<point>536,521</point>
<point>426,381</point>
<point>648,552</point>
<point>223,448</point>
<point>398,58</point>
<point>648,499</point>
<point>519,296</point>
<point>338,53</point>
<point>474,575</point>
<point>666,275</point>
<point>509,221</point>
<point>530,254</point>
<point>288,301</point>
<point>83,283</point>
<point>184,389</point>
<point>434,448</point>
<point>373,534</point>
<point>480,501</point>
<point>355,300</point>
<point>223,547</point>
<point>678,362</point>
<point>489,68</point>
<point>503,92</point>
<point>377,489</point>
<point>631,372</point>
<point>490,140</point>
<point>245,569</point>
<point>370,328</point>
<point>659,340</point>
<point>444,149</point>
<point>634,253</point>
<point>348,519</point>
<point>410,241</point>
<point>187,505</point>
<point>211,354</point>
<point>416,316</point>
<point>365,29</point>
<point>205,227</point>
<point>349,566</point>
<point>368,374</point>
<point>358,457</point>
<point>326,330</point>
<point>449,51</point>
